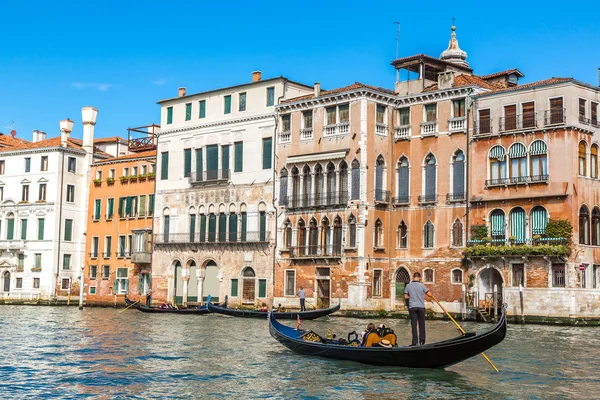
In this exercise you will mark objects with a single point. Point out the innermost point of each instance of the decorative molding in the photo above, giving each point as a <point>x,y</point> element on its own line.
<point>218,123</point>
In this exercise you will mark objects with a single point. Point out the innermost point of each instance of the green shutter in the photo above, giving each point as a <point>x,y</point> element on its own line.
<point>244,224</point>
<point>151,203</point>
<point>198,164</point>
<point>141,283</point>
<point>234,288</point>
<point>10,229</point>
<point>227,105</point>
<point>232,227</point>
<point>164,165</point>
<point>212,227</point>
<point>167,227</point>
<point>66,261</point>
<point>188,111</point>
<point>267,152</point>
<point>192,228</point>
<point>97,209</point>
<point>263,226</point>
<point>115,286</point>
<point>120,207</point>
<point>212,162</point>
<point>68,230</point>
<point>111,206</point>
<point>222,227</point>
<point>187,162</point>
<point>128,206</point>
<point>262,288</point>
<point>225,161</point>
<point>23,229</point>
<point>40,228</point>
<point>239,156</point>
<point>202,108</point>
<point>169,115</point>
<point>202,228</point>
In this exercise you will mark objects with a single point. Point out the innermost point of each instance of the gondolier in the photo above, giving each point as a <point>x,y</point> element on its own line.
<point>149,297</point>
<point>415,292</point>
<point>302,296</point>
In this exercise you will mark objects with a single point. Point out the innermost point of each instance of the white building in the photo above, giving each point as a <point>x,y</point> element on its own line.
<point>214,192</point>
<point>44,188</point>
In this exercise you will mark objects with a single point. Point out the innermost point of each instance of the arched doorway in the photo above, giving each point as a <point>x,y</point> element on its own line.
<point>488,277</point>
<point>211,285</point>
<point>6,282</point>
<point>178,298</point>
<point>249,285</point>
<point>192,295</point>
<point>402,279</point>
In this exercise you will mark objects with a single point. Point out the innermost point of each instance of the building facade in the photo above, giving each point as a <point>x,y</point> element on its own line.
<point>214,201</point>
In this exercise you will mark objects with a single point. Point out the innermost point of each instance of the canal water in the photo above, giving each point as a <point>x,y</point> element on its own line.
<point>62,352</point>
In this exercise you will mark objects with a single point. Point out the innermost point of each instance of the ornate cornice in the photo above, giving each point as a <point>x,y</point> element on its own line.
<point>218,123</point>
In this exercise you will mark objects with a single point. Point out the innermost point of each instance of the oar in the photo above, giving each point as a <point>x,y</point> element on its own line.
<point>132,304</point>
<point>462,330</point>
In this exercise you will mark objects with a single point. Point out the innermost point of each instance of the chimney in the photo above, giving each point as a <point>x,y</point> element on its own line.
<point>256,76</point>
<point>317,89</point>
<point>446,80</point>
<point>66,126</point>
<point>41,136</point>
<point>35,136</point>
<point>88,118</point>
<point>181,92</point>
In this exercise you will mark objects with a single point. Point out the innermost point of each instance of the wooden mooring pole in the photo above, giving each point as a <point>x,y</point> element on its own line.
<point>521,303</point>
<point>495,302</point>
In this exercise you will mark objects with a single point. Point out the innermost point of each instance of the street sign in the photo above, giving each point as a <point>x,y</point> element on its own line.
<point>582,267</point>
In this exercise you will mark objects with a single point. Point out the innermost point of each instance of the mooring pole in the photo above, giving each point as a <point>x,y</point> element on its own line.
<point>521,301</point>
<point>81,286</point>
<point>495,302</point>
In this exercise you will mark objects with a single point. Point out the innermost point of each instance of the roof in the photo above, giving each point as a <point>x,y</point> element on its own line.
<point>6,140</point>
<point>72,143</point>
<point>110,139</point>
<point>466,80</point>
<point>130,156</point>
<point>503,73</point>
<point>355,85</point>
<point>233,87</point>
<point>417,58</point>
<point>549,81</point>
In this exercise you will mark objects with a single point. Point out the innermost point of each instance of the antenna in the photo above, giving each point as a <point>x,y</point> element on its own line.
<point>397,42</point>
<point>13,132</point>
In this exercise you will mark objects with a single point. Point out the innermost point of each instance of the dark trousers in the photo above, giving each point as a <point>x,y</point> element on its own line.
<point>148,300</point>
<point>417,315</point>
<point>302,305</point>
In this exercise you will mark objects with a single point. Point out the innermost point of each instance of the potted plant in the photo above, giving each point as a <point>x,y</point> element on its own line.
<point>124,179</point>
<point>142,177</point>
<point>151,175</point>
<point>133,178</point>
<point>97,182</point>
<point>110,180</point>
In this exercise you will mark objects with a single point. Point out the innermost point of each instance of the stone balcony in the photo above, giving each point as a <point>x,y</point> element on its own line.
<point>12,244</point>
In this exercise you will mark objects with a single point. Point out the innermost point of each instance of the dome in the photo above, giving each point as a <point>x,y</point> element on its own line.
<point>453,54</point>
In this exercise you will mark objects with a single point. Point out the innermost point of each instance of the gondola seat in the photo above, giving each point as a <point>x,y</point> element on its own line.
<point>371,339</point>
<point>310,336</point>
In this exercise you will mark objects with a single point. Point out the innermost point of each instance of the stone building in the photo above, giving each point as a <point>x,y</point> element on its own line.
<point>214,202</point>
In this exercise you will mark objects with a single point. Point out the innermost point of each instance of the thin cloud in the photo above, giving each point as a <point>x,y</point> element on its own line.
<point>159,82</point>
<point>102,87</point>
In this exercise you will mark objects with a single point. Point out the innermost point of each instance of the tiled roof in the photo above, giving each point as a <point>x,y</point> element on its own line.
<point>428,58</point>
<point>6,140</point>
<point>52,142</point>
<point>466,80</point>
<point>355,85</point>
<point>111,139</point>
<point>131,156</point>
<point>502,73</point>
<point>549,81</point>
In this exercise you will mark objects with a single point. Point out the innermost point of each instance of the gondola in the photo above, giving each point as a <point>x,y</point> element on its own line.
<point>435,355</point>
<point>304,315</point>
<point>144,308</point>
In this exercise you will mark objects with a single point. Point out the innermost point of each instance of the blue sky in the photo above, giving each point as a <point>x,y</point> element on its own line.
<point>124,56</point>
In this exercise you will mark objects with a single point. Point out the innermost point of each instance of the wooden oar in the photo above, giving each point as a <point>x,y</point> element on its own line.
<point>462,330</point>
<point>132,304</point>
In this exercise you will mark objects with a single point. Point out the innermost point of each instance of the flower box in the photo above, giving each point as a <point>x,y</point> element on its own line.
<point>151,175</point>
<point>124,179</point>
<point>133,178</point>
<point>97,182</point>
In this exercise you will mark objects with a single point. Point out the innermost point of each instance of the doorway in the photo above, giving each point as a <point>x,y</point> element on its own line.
<point>178,298</point>
<point>249,286</point>
<point>323,288</point>
<point>488,278</point>
<point>192,295</point>
<point>6,282</point>
<point>402,279</point>
<point>211,285</point>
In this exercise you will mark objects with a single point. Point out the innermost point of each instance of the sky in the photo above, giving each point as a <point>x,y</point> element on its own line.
<point>124,56</point>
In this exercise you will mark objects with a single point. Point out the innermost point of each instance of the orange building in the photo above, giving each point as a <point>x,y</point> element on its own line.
<point>119,234</point>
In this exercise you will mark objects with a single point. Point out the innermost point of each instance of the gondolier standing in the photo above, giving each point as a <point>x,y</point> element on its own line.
<point>415,292</point>
<point>302,296</point>
<point>149,297</point>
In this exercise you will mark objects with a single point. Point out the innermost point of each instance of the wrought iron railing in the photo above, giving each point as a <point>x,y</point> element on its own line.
<point>584,120</point>
<point>382,196</point>
<point>209,176</point>
<point>212,237</point>
<point>428,198</point>
<point>401,200</point>
<point>509,123</point>
<point>313,251</point>
<point>483,126</point>
<point>521,180</point>
<point>555,116</point>
<point>313,201</point>
<point>455,197</point>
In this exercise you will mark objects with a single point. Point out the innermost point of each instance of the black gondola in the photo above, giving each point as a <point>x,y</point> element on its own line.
<point>304,315</point>
<point>435,355</point>
<point>144,308</point>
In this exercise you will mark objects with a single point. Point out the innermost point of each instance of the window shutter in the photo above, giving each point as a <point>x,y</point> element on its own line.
<point>167,227</point>
<point>263,226</point>
<point>198,165</point>
<point>459,178</point>
<point>262,288</point>
<point>244,225</point>
<point>115,286</point>
<point>430,182</point>
<point>169,115</point>
<point>232,227</point>
<point>151,203</point>
<point>403,194</point>
<point>68,229</point>
<point>120,206</point>
<point>128,206</point>
<point>192,228</point>
<point>10,226</point>
<point>379,182</point>
<point>355,181</point>
<point>97,209</point>
<point>141,283</point>
<point>225,161</point>
<point>187,162</point>
<point>222,227</point>
<point>239,156</point>
<point>227,105</point>
<point>267,153</point>
<point>234,288</point>
<point>283,190</point>
<point>202,228</point>
<point>41,229</point>
<point>212,227</point>
<point>164,165</point>
<point>111,206</point>
<point>517,224</point>
<point>24,229</point>
<point>202,108</point>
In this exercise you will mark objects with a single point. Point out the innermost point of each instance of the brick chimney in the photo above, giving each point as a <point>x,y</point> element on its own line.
<point>317,89</point>
<point>256,76</point>
<point>181,92</point>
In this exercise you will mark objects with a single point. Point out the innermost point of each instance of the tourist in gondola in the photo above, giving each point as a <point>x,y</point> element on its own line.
<point>370,328</point>
<point>302,296</point>
<point>264,307</point>
<point>415,292</point>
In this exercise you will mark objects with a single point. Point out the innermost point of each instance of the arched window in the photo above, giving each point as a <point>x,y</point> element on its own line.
<point>428,275</point>
<point>301,237</point>
<point>430,178</point>
<point>458,176</point>
<point>343,183</point>
<point>307,192</point>
<point>248,273</point>
<point>539,220</point>
<point>378,234</point>
<point>351,231</point>
<point>337,236</point>
<point>457,233</point>
<point>517,225</point>
<point>403,181</point>
<point>497,165</point>
<point>582,159</point>
<point>595,226</point>
<point>355,180</point>
<point>10,228</point>
<point>498,227</point>
<point>283,187</point>
<point>192,229</point>
<point>313,237</point>
<point>584,225</point>
<point>325,247</point>
<point>518,163</point>
<point>538,156</point>
<point>428,233</point>
<point>594,161</point>
<point>287,234</point>
<point>319,186</point>
<point>295,187</point>
<point>233,224</point>
<point>331,187</point>
<point>457,276</point>
<point>248,285</point>
<point>379,186</point>
<point>402,239</point>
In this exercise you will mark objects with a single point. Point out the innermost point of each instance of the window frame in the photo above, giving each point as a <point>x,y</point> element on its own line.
<point>377,284</point>
<point>70,197</point>
<point>462,276</point>
<point>429,281</point>
<point>286,287</point>
<point>72,165</point>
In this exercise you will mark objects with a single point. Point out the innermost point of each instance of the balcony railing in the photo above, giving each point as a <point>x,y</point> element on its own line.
<point>428,198</point>
<point>306,133</point>
<point>217,238</point>
<point>483,126</point>
<point>402,132</point>
<point>94,254</point>
<point>557,116</point>
<point>314,201</point>
<point>343,128</point>
<point>521,247</point>
<point>381,129</point>
<point>142,144</point>
<point>457,124</point>
<point>584,120</point>
<point>285,137</point>
<point>521,180</point>
<point>315,251</point>
<point>455,197</point>
<point>109,217</point>
<point>383,196</point>
<point>106,254</point>
<point>429,128</point>
<point>209,176</point>
<point>12,244</point>
<point>509,123</point>
<point>401,200</point>
<point>141,257</point>
<point>123,254</point>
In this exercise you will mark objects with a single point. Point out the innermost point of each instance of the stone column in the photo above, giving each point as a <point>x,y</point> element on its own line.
<point>186,278</point>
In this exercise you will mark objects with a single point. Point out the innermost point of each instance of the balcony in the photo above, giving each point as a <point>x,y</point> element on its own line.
<point>382,196</point>
<point>285,137</point>
<point>429,128</point>
<point>337,129</point>
<point>402,200</point>
<point>547,247</point>
<point>306,134</point>
<point>344,128</point>
<point>211,176</point>
<point>316,251</point>
<point>141,257</point>
<point>106,255</point>
<point>457,124</point>
<point>213,238</point>
<point>12,244</point>
<point>557,116</point>
<point>483,127</point>
<point>142,144</point>
<point>520,180</point>
<point>93,254</point>
<point>123,254</point>
<point>316,201</point>
<point>455,197</point>
<point>402,132</point>
<point>381,129</point>
<point>428,199</point>
<point>517,122</point>
<point>584,120</point>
